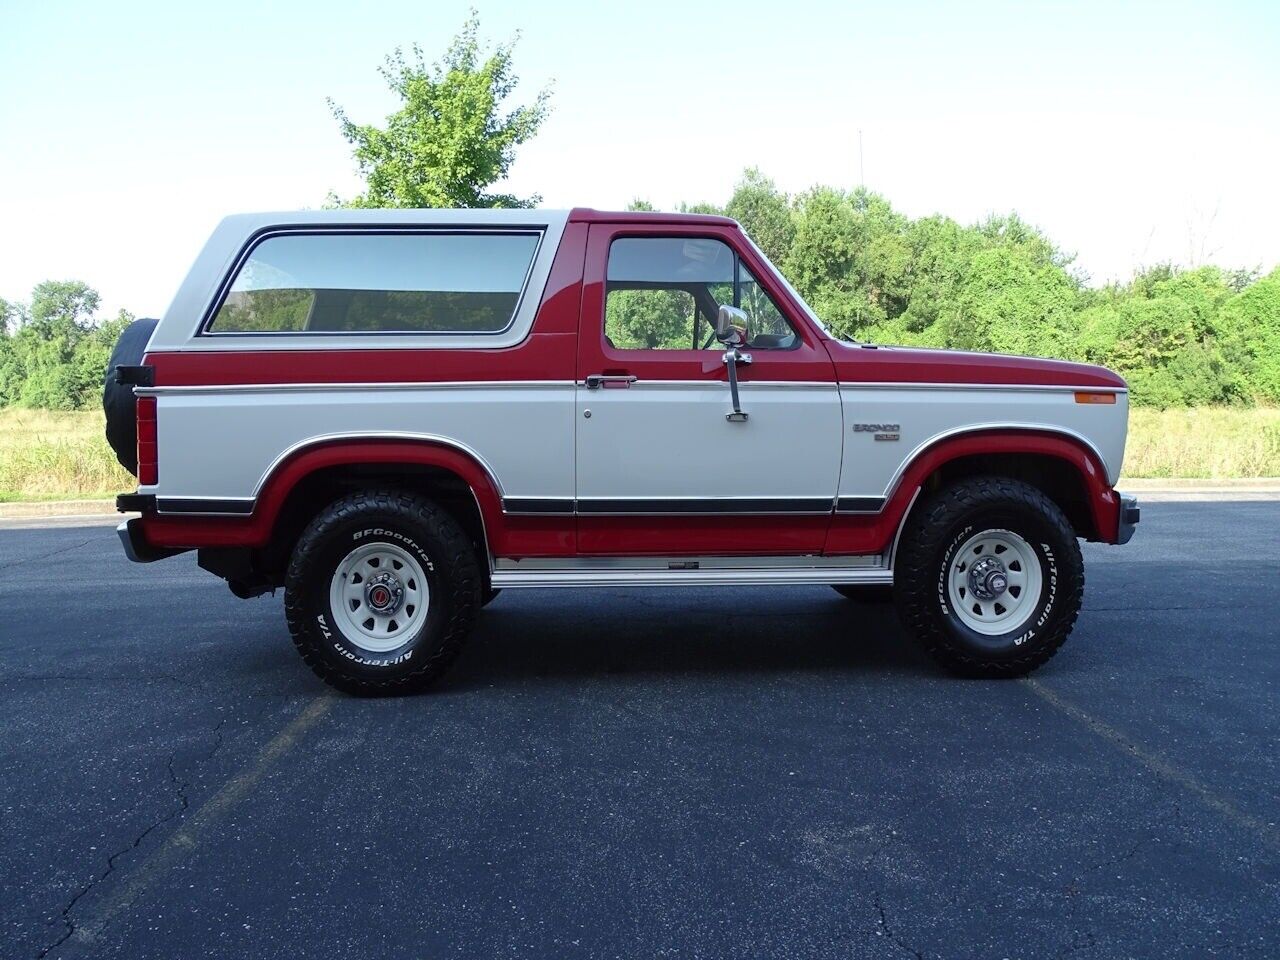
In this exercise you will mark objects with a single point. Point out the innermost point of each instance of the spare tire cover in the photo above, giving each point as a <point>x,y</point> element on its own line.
<point>117,398</point>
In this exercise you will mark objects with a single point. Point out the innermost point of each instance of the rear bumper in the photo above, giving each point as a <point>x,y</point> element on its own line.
<point>135,544</point>
<point>1129,517</point>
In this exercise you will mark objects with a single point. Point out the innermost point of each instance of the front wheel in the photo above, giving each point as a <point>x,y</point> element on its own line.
<point>381,591</point>
<point>989,577</point>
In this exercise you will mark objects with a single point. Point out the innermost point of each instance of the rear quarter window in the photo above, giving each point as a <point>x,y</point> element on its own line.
<point>366,282</point>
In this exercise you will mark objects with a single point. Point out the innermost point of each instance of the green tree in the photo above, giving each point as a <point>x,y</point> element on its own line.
<point>1010,301</point>
<point>57,353</point>
<point>62,306</point>
<point>1249,327</point>
<point>764,212</point>
<point>451,140</point>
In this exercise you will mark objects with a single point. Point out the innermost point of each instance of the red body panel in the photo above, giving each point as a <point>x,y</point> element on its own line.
<point>702,536</point>
<point>691,221</point>
<point>855,364</point>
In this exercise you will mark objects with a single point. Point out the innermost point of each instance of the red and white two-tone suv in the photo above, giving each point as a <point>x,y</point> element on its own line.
<point>396,414</point>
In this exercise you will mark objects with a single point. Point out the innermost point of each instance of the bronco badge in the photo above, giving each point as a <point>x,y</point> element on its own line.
<point>883,431</point>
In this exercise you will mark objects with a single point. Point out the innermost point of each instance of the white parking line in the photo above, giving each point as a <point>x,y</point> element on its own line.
<point>1268,833</point>
<point>197,827</point>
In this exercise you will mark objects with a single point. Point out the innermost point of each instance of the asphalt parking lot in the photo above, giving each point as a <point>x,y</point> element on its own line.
<point>687,773</point>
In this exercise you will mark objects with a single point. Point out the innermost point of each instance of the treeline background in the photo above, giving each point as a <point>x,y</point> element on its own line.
<point>1181,336</point>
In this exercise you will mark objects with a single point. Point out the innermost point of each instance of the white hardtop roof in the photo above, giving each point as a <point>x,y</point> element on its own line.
<point>252,222</point>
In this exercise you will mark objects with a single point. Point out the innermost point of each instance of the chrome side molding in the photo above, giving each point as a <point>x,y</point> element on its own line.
<point>689,571</point>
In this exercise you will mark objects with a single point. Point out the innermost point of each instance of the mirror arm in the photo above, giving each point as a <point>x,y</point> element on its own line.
<point>731,359</point>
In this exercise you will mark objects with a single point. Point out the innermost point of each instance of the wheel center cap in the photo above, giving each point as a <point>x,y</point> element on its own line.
<point>383,593</point>
<point>987,578</point>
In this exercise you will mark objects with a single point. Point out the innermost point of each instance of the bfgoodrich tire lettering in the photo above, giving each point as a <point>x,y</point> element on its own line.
<point>431,543</point>
<point>996,510</point>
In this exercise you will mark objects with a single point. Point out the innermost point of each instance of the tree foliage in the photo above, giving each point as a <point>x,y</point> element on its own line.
<point>453,137</point>
<point>54,351</point>
<point>1179,336</point>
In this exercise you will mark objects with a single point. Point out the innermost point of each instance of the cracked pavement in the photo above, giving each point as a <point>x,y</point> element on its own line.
<point>698,773</point>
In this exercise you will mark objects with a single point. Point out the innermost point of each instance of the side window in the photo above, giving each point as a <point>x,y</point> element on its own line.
<point>769,328</point>
<point>663,293</point>
<point>366,282</point>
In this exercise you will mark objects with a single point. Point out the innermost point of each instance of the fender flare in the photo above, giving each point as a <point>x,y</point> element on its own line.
<point>1100,498</point>
<point>880,532</point>
<point>303,460</point>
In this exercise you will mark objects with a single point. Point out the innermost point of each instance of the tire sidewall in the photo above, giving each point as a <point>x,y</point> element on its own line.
<point>324,630</point>
<point>1045,618</point>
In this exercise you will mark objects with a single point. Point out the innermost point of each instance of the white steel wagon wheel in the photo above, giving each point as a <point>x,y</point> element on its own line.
<point>379,596</point>
<point>994,582</point>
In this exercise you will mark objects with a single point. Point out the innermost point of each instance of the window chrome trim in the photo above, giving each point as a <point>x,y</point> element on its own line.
<point>203,331</point>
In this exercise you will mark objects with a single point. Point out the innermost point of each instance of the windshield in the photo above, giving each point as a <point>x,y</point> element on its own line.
<point>808,310</point>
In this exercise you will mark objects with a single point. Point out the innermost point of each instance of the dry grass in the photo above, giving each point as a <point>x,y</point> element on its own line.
<point>53,456</point>
<point>50,456</point>
<point>1219,443</point>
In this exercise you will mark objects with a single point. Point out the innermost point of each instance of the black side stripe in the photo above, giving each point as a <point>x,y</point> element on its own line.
<point>237,508</point>
<point>859,504</point>
<point>707,505</point>
<point>539,506</point>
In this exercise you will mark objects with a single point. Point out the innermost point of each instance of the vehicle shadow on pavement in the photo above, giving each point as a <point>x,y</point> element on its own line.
<point>550,636</point>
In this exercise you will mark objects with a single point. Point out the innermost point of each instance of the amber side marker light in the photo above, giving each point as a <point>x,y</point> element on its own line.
<point>1086,397</point>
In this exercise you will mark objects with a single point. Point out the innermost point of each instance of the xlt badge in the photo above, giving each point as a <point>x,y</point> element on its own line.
<point>883,431</point>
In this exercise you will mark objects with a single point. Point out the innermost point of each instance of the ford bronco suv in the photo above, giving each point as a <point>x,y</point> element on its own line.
<point>393,415</point>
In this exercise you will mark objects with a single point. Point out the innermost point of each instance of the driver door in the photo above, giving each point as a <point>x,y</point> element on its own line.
<point>661,468</point>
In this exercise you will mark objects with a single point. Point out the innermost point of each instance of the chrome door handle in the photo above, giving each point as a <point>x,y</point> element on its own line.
<point>595,381</point>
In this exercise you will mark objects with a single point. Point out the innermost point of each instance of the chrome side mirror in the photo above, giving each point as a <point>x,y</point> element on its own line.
<point>733,326</point>
<point>733,329</point>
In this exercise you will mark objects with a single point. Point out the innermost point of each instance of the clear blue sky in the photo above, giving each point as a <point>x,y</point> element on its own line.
<point>1131,132</point>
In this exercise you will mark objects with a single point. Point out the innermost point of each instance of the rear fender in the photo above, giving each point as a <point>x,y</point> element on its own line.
<point>256,529</point>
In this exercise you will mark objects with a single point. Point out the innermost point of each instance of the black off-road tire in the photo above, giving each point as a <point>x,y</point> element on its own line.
<point>431,537</point>
<point>489,595</point>
<point>864,593</point>
<point>941,526</point>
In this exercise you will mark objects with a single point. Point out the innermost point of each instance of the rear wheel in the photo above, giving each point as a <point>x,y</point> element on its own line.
<point>382,589</point>
<point>989,577</point>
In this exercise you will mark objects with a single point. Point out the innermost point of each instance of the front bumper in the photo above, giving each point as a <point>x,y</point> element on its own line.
<point>135,544</point>
<point>1129,517</point>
